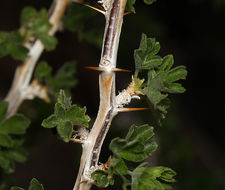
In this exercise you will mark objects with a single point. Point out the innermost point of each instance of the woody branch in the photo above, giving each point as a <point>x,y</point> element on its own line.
<point>110,104</point>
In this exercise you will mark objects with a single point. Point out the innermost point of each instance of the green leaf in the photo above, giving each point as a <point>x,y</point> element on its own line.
<point>17,124</point>
<point>64,100</point>
<point>35,185</point>
<point>175,74</point>
<point>77,116</point>
<point>119,166</point>
<point>59,111</point>
<point>19,155</point>
<point>35,24</point>
<point>49,42</point>
<point>3,110</point>
<point>157,178</point>
<point>64,77</point>
<point>11,43</point>
<point>16,188</point>
<point>136,146</point>
<point>50,122</point>
<point>130,5</point>
<point>65,129</point>
<point>102,178</point>
<point>161,77</point>
<point>43,71</point>
<point>149,2</point>
<point>5,163</point>
<point>6,140</point>
<point>76,16</point>
<point>145,57</point>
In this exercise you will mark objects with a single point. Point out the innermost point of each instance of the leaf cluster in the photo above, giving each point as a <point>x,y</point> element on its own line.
<point>76,20</point>
<point>64,77</point>
<point>136,147</point>
<point>34,185</point>
<point>162,78</point>
<point>10,143</point>
<point>65,117</point>
<point>34,25</point>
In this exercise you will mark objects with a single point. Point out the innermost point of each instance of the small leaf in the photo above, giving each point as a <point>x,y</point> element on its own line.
<point>6,140</point>
<point>16,188</point>
<point>149,2</point>
<point>157,178</point>
<point>63,100</point>
<point>49,42</point>
<point>136,146</point>
<point>50,122</point>
<point>43,71</point>
<point>3,110</point>
<point>130,5</point>
<point>18,155</point>
<point>119,166</point>
<point>77,116</point>
<point>167,63</point>
<point>175,74</point>
<point>145,57</point>
<point>75,17</point>
<point>35,185</point>
<point>17,124</point>
<point>65,129</point>
<point>5,163</point>
<point>101,177</point>
<point>11,43</point>
<point>59,111</point>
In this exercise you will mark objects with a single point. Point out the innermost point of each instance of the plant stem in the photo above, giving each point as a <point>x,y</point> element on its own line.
<point>23,74</point>
<point>107,108</point>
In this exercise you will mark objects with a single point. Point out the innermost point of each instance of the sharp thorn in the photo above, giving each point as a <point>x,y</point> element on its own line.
<point>131,109</point>
<point>122,70</point>
<point>99,6</point>
<point>96,9</point>
<point>102,69</point>
<point>128,13</point>
<point>75,140</point>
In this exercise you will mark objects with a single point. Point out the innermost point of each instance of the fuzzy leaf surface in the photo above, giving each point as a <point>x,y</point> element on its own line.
<point>65,116</point>
<point>136,146</point>
<point>35,24</point>
<point>157,178</point>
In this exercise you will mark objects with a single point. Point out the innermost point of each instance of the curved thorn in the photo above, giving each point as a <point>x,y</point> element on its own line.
<point>128,13</point>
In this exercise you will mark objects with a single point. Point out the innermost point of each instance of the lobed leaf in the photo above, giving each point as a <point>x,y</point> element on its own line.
<point>36,24</point>
<point>3,110</point>
<point>11,43</point>
<point>17,124</point>
<point>102,178</point>
<point>65,129</point>
<point>35,185</point>
<point>136,146</point>
<point>77,116</point>
<point>157,178</point>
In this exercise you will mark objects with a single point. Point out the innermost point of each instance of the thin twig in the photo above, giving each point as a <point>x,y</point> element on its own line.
<point>22,78</point>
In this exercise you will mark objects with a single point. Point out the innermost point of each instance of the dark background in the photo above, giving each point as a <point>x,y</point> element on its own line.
<point>191,139</point>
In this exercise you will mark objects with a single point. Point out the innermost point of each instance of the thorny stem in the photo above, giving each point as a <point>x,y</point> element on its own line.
<point>22,78</point>
<point>108,107</point>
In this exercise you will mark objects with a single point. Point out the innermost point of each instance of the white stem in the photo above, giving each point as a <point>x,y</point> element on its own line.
<point>24,72</point>
<point>92,146</point>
